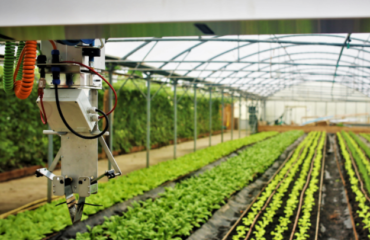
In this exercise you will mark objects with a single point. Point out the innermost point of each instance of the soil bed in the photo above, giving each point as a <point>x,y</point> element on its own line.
<point>335,219</point>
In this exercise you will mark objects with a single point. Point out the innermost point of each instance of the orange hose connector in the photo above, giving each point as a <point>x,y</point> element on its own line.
<point>23,88</point>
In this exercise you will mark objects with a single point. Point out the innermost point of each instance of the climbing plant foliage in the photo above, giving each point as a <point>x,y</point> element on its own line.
<point>24,144</point>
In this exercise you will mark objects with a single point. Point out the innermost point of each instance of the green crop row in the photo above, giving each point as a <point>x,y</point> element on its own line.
<point>361,143</point>
<point>292,202</point>
<point>304,222</point>
<point>192,201</point>
<point>366,136</point>
<point>362,163</point>
<point>364,211</point>
<point>48,218</point>
<point>258,205</point>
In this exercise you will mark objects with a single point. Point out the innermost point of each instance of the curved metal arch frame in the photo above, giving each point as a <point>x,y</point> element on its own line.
<point>262,74</point>
<point>263,60</point>
<point>202,41</point>
<point>279,37</point>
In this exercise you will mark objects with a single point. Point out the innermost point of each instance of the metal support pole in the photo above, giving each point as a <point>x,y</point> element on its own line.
<point>148,122</point>
<point>210,116</point>
<point>110,105</point>
<point>222,115</point>
<point>175,119</point>
<point>232,116</point>
<point>240,114</point>
<point>195,118</point>
<point>50,161</point>
<point>246,120</point>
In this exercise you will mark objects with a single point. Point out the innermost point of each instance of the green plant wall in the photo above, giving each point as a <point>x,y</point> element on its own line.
<point>23,144</point>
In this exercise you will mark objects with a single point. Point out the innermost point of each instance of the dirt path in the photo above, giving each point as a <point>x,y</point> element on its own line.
<point>335,222</point>
<point>19,192</point>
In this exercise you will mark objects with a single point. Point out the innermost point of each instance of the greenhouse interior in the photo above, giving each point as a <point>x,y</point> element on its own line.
<point>174,120</point>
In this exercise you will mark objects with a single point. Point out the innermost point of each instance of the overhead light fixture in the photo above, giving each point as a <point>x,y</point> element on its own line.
<point>204,28</point>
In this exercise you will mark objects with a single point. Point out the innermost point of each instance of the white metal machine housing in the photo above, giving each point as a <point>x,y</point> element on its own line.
<point>77,101</point>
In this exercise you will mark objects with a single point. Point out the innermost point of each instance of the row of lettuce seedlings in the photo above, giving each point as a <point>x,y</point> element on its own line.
<point>355,156</point>
<point>285,208</point>
<point>191,202</point>
<point>49,218</point>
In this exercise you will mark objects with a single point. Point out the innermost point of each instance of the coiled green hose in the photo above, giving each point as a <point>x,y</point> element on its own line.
<point>20,48</point>
<point>9,67</point>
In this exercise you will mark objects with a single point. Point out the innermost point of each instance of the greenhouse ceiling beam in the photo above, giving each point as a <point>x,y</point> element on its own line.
<point>340,55</point>
<point>134,65</point>
<point>237,40</point>
<point>244,62</point>
<point>171,18</point>
<point>255,71</point>
<point>309,99</point>
<point>297,86</point>
<point>248,82</point>
<point>135,50</point>
<point>299,53</point>
<point>287,67</point>
<point>322,89</point>
<point>289,80</point>
<point>250,55</point>
<point>318,94</point>
<point>257,77</point>
<point>248,44</point>
<point>183,52</point>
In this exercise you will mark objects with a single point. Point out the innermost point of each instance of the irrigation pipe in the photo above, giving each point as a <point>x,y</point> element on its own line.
<point>344,183</point>
<point>302,193</point>
<point>320,191</point>
<point>269,199</point>
<point>255,199</point>
<point>356,170</point>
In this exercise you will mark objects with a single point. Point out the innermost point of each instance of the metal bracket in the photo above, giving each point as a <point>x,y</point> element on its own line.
<point>44,172</point>
<point>55,161</point>
<point>85,188</point>
<point>58,185</point>
<point>110,156</point>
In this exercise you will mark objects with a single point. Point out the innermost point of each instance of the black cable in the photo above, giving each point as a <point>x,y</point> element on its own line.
<point>70,129</point>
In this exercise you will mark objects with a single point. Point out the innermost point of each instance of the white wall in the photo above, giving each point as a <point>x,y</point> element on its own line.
<point>274,109</point>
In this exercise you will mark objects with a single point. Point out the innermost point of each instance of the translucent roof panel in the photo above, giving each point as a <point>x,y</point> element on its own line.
<point>258,64</point>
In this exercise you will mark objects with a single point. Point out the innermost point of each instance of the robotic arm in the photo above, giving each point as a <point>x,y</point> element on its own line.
<point>68,102</point>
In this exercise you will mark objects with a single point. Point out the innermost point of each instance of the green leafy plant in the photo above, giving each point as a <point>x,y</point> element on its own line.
<point>24,144</point>
<point>304,222</point>
<point>52,218</point>
<point>364,211</point>
<point>191,202</point>
<point>362,163</point>
<point>293,200</point>
<point>258,205</point>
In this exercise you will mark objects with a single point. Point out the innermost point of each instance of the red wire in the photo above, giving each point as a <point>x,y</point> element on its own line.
<point>111,87</point>
<point>43,112</point>
<point>54,45</point>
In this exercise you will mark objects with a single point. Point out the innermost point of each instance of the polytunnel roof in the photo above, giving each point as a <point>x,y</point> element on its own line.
<point>260,65</point>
